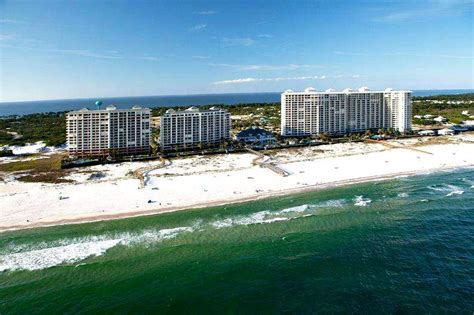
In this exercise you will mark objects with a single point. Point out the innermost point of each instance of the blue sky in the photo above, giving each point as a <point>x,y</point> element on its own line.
<point>67,49</point>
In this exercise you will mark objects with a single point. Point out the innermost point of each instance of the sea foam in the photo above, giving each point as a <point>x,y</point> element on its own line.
<point>449,190</point>
<point>360,201</point>
<point>69,251</point>
<point>44,255</point>
<point>54,256</point>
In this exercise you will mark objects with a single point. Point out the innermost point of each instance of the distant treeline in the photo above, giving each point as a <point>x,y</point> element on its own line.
<point>453,112</point>
<point>236,109</point>
<point>451,97</point>
<point>47,127</point>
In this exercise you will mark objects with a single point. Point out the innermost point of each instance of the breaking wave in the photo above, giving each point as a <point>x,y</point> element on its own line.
<point>360,201</point>
<point>49,257</point>
<point>449,190</point>
<point>469,182</point>
<point>70,251</point>
<point>77,249</point>
<point>265,217</point>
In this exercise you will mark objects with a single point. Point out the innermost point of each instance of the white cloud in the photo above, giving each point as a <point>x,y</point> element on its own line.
<point>404,54</point>
<point>148,58</point>
<point>209,12</point>
<point>106,54</point>
<point>12,21</point>
<point>88,53</point>
<point>198,27</point>
<point>238,41</point>
<point>263,67</point>
<point>432,9</point>
<point>265,35</point>
<point>200,57</point>
<point>248,80</point>
<point>245,80</point>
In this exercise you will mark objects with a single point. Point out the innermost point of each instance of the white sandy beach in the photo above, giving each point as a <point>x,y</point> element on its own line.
<point>210,180</point>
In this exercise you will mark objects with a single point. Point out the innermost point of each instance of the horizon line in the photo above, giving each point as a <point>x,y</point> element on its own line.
<point>184,95</point>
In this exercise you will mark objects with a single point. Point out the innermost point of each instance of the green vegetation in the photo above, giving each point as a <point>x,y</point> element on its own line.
<point>47,127</point>
<point>268,109</point>
<point>50,127</point>
<point>452,97</point>
<point>50,163</point>
<point>46,170</point>
<point>449,106</point>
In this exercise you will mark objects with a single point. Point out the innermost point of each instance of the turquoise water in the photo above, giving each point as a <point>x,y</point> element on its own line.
<point>403,245</point>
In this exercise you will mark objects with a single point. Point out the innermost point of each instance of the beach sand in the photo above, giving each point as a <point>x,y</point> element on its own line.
<point>203,181</point>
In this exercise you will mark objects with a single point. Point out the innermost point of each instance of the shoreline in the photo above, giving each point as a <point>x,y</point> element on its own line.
<point>113,191</point>
<point>216,203</point>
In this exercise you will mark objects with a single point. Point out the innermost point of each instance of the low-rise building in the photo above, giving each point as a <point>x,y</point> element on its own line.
<point>193,128</point>
<point>440,119</point>
<point>469,124</point>
<point>459,128</point>
<point>256,136</point>
<point>426,133</point>
<point>446,132</point>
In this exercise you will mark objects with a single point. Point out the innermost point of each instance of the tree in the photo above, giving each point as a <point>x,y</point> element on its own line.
<point>324,137</point>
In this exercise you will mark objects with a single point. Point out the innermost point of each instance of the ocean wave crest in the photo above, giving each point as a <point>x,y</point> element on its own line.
<point>360,201</point>
<point>447,189</point>
<point>42,255</point>
<point>69,251</point>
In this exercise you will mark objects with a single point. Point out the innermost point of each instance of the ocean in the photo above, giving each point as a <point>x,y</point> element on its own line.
<point>404,245</point>
<point>23,108</point>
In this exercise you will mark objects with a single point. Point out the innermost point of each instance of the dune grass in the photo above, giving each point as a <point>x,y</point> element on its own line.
<point>45,170</point>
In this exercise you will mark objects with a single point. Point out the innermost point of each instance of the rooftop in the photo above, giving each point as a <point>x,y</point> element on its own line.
<point>364,89</point>
<point>253,132</point>
<point>193,109</point>
<point>109,108</point>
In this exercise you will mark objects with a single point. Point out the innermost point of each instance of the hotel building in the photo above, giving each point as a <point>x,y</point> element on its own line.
<point>336,113</point>
<point>110,131</point>
<point>193,127</point>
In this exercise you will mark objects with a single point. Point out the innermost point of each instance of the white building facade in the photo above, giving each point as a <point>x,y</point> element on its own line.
<point>336,113</point>
<point>110,131</point>
<point>193,128</point>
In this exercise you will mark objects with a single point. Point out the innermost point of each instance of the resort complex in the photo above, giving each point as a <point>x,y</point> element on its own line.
<point>193,128</point>
<point>337,113</point>
<point>110,131</point>
<point>303,118</point>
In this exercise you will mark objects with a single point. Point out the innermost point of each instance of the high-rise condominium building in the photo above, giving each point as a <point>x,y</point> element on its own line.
<point>336,113</point>
<point>110,131</point>
<point>193,127</point>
